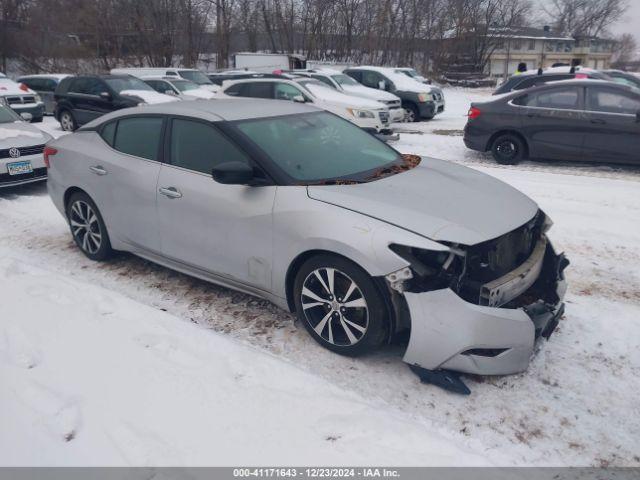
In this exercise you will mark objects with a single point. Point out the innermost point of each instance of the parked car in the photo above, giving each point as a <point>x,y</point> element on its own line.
<point>180,88</point>
<point>84,98</point>
<point>582,120</point>
<point>21,147</point>
<point>412,73</point>
<point>296,205</point>
<point>533,78</point>
<point>220,79</point>
<point>371,116</point>
<point>623,78</point>
<point>192,74</point>
<point>419,100</point>
<point>21,99</point>
<point>45,86</point>
<point>347,85</point>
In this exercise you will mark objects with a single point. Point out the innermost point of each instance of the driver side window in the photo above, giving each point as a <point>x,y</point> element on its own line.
<point>284,91</point>
<point>371,79</point>
<point>200,147</point>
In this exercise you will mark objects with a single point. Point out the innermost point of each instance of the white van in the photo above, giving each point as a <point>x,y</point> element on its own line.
<point>192,74</point>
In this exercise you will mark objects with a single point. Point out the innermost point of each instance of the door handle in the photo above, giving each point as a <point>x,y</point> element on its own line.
<point>170,192</point>
<point>98,170</point>
<point>598,121</point>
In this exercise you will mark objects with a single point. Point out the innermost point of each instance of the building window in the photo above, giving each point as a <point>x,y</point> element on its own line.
<point>532,44</point>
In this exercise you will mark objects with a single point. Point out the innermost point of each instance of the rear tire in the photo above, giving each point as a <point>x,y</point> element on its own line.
<point>508,149</point>
<point>67,122</point>
<point>88,228</point>
<point>340,305</point>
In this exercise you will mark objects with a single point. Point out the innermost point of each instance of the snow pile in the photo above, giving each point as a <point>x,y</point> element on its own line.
<point>92,378</point>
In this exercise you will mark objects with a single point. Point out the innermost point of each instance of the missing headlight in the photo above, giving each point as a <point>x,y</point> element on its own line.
<point>430,269</point>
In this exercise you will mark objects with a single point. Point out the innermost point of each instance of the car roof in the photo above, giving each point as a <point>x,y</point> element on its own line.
<point>58,76</point>
<point>215,110</point>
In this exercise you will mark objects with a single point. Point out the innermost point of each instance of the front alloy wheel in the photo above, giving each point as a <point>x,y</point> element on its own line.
<point>340,305</point>
<point>334,306</point>
<point>67,122</point>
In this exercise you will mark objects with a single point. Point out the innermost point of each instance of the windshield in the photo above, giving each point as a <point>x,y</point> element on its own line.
<point>185,85</point>
<point>196,76</point>
<point>319,148</point>
<point>409,72</point>
<point>8,116</point>
<point>122,84</point>
<point>344,79</point>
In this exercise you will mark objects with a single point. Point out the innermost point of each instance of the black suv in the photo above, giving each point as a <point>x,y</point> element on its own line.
<point>81,99</point>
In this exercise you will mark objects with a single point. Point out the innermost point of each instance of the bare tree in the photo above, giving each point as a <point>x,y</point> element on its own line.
<point>585,18</point>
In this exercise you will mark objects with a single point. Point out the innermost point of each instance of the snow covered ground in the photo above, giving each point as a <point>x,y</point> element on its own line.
<point>128,363</point>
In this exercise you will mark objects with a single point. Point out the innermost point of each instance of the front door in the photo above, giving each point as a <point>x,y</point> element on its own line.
<point>554,122</point>
<point>614,131</point>
<point>221,229</point>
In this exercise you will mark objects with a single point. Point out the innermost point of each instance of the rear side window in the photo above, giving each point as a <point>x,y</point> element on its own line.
<point>567,98</point>
<point>88,86</point>
<point>139,136</point>
<point>108,132</point>
<point>200,147</point>
<point>261,90</point>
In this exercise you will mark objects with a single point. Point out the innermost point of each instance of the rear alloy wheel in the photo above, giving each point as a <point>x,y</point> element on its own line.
<point>87,227</point>
<point>67,122</point>
<point>508,149</point>
<point>340,305</point>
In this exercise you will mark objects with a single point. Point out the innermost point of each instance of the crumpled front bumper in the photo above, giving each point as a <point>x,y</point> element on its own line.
<point>450,333</point>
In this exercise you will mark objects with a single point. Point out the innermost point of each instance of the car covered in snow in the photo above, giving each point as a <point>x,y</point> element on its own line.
<point>21,147</point>
<point>192,74</point>
<point>298,206</point>
<point>347,85</point>
<point>421,101</point>
<point>412,73</point>
<point>82,99</point>
<point>179,87</point>
<point>21,99</point>
<point>370,115</point>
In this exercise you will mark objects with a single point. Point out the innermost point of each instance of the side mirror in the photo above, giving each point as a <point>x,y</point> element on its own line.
<point>26,116</point>
<point>232,173</point>
<point>299,99</point>
<point>105,96</point>
<point>382,85</point>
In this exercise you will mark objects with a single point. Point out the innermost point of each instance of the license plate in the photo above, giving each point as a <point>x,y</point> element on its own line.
<point>19,168</point>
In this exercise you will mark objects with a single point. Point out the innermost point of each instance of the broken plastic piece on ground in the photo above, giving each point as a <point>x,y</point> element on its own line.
<point>441,378</point>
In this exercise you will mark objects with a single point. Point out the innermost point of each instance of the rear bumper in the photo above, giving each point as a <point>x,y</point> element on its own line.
<point>450,333</point>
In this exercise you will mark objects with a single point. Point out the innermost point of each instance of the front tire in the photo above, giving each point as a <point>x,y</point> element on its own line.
<point>88,228</point>
<point>412,112</point>
<point>508,149</point>
<point>340,305</point>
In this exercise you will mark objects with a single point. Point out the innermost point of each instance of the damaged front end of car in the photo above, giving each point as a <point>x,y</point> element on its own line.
<point>480,309</point>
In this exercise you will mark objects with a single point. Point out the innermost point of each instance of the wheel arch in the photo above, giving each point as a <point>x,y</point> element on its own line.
<point>509,132</point>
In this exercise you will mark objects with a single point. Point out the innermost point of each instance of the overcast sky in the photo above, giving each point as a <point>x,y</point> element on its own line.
<point>630,22</point>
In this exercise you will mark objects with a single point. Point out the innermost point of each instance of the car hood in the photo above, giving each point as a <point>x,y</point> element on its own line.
<point>439,200</point>
<point>9,87</point>
<point>211,88</point>
<point>330,96</point>
<point>371,93</point>
<point>149,96</point>
<point>21,134</point>
<point>200,93</point>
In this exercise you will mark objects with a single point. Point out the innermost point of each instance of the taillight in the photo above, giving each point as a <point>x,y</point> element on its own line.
<point>48,152</point>
<point>474,112</point>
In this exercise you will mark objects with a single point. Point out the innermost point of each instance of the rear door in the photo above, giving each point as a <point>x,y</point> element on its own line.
<point>84,95</point>
<point>554,122</point>
<point>216,228</point>
<point>614,128</point>
<point>123,179</point>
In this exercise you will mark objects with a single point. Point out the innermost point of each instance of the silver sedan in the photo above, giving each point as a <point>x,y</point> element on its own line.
<point>300,207</point>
